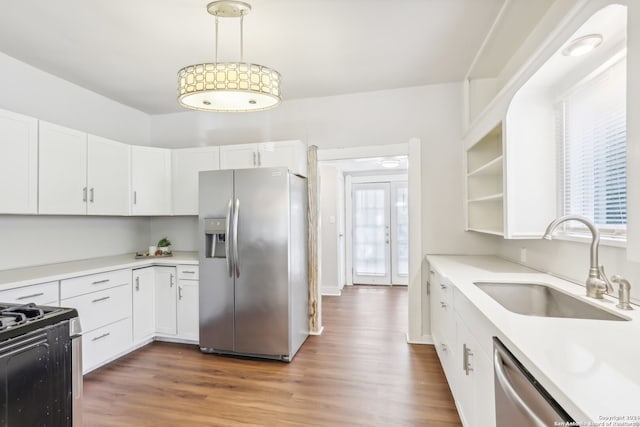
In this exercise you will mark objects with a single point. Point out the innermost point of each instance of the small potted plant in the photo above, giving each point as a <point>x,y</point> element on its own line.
<point>163,245</point>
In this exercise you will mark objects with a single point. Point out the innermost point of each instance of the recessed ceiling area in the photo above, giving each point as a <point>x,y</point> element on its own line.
<point>130,51</point>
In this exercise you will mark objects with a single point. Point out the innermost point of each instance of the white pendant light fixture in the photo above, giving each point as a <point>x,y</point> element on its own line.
<point>228,86</point>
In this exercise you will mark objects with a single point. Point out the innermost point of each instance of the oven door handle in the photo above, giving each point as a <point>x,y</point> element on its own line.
<point>510,391</point>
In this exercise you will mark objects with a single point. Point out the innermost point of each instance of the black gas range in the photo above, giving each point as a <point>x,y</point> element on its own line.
<point>20,319</point>
<point>40,366</point>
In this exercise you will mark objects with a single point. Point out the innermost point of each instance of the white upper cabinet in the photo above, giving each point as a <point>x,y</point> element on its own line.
<point>150,181</point>
<point>62,178</point>
<point>291,154</point>
<point>18,163</point>
<point>185,166</point>
<point>107,177</point>
<point>239,156</point>
<point>82,174</point>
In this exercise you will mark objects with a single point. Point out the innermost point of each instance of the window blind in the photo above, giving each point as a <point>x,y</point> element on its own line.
<point>591,131</point>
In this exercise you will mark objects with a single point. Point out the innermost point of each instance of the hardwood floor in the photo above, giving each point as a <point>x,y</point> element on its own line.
<point>359,372</point>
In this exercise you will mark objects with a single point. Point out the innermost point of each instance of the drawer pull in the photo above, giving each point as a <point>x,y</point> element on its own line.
<point>39,294</point>
<point>99,337</point>
<point>171,280</point>
<point>189,272</point>
<point>443,304</point>
<point>443,286</point>
<point>100,299</point>
<point>137,283</point>
<point>99,282</point>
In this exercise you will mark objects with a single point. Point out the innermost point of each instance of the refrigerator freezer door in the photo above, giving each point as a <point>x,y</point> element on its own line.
<point>262,286</point>
<point>216,285</point>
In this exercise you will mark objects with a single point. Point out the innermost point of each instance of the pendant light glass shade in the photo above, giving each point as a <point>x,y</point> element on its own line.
<point>228,86</point>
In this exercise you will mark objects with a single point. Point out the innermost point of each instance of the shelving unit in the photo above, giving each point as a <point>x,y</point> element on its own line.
<point>485,189</point>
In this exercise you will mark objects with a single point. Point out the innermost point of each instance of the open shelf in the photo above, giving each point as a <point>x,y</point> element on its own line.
<point>485,171</point>
<point>494,167</point>
<point>489,198</point>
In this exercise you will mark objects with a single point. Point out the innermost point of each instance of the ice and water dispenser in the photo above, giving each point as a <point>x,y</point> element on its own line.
<point>215,230</point>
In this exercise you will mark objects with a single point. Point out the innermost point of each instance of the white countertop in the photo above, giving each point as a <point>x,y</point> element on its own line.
<point>591,367</point>
<point>65,270</point>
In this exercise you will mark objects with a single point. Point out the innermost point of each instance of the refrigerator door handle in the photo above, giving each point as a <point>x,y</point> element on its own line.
<point>227,240</point>
<point>236,261</point>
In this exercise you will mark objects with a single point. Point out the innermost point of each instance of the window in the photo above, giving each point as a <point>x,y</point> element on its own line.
<point>592,142</point>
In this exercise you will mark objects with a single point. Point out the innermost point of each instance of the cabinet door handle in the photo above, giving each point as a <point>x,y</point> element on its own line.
<point>179,292</point>
<point>99,337</point>
<point>135,197</point>
<point>91,192</point>
<point>189,272</point>
<point>443,304</point>
<point>137,283</point>
<point>466,365</point>
<point>443,286</point>
<point>259,159</point>
<point>443,347</point>
<point>428,288</point>
<point>39,294</point>
<point>84,194</point>
<point>254,159</point>
<point>100,299</point>
<point>171,280</point>
<point>99,282</point>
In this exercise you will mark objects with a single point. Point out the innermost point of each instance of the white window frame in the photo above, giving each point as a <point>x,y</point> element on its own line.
<point>612,234</point>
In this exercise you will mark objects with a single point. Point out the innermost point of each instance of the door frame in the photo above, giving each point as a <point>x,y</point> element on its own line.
<point>349,181</point>
<point>417,296</point>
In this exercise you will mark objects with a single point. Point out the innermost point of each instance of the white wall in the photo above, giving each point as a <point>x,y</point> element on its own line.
<point>33,240</point>
<point>371,118</point>
<point>36,240</point>
<point>182,232</point>
<point>33,92</point>
<point>328,195</point>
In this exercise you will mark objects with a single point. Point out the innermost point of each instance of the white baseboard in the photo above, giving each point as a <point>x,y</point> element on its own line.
<point>336,292</point>
<point>318,332</point>
<point>425,339</point>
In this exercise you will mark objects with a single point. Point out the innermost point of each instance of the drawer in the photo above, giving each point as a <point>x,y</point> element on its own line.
<point>188,272</point>
<point>100,308</point>
<point>104,343</point>
<point>94,282</point>
<point>41,294</point>
<point>446,288</point>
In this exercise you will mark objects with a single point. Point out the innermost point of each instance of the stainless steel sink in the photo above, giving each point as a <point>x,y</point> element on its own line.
<point>537,299</point>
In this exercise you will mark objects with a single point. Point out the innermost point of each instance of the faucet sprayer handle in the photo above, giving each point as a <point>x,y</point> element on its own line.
<point>624,292</point>
<point>605,280</point>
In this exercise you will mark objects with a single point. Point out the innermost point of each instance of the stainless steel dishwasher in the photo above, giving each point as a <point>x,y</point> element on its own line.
<point>520,400</point>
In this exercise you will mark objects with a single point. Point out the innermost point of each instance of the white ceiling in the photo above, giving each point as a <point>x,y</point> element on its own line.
<point>130,50</point>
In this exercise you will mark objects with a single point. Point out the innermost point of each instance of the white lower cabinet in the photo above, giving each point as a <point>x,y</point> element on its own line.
<point>40,294</point>
<point>187,310</point>
<point>103,301</point>
<point>103,344</point>
<point>177,303</point>
<point>165,301</point>
<point>144,316</point>
<point>463,341</point>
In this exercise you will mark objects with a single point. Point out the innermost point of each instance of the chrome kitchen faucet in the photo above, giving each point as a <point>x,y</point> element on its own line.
<point>597,282</point>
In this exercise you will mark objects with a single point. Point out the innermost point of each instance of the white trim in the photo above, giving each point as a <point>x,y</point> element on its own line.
<point>348,227</point>
<point>332,291</point>
<point>317,332</point>
<point>378,178</point>
<point>415,287</point>
<point>424,339</point>
<point>362,152</point>
<point>586,238</point>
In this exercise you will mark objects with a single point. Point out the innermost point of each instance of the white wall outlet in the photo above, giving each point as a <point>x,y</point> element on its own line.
<point>523,254</point>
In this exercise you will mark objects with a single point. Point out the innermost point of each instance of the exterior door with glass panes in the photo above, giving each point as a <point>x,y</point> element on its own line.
<point>380,233</point>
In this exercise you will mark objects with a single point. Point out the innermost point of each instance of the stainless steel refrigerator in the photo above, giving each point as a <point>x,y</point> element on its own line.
<point>253,262</point>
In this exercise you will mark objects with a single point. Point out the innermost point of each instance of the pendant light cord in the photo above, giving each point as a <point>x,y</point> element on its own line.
<point>216,43</point>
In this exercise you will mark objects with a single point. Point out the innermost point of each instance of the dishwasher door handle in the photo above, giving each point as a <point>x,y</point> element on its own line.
<point>501,376</point>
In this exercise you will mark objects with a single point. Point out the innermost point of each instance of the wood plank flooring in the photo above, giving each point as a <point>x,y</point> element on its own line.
<point>359,372</point>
